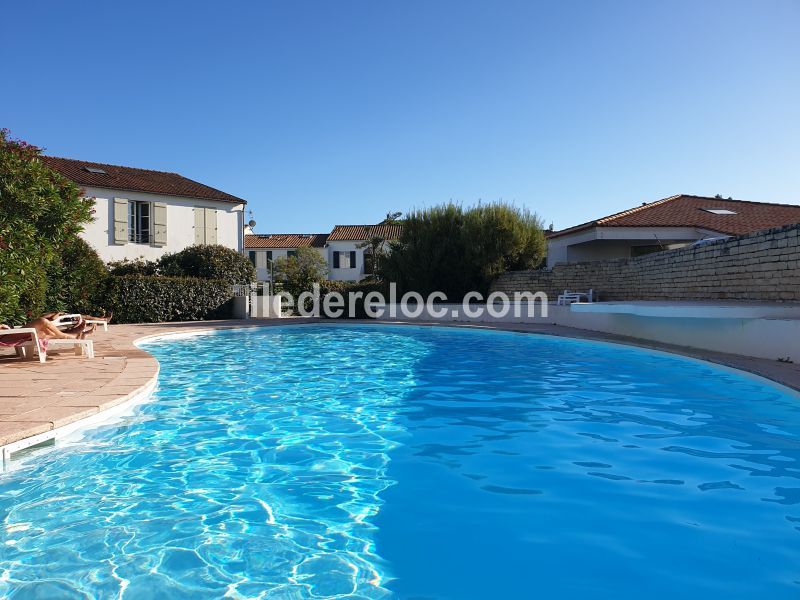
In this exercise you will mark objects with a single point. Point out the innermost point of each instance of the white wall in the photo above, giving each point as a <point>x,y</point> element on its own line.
<point>262,268</point>
<point>180,224</point>
<point>340,274</point>
<point>604,243</point>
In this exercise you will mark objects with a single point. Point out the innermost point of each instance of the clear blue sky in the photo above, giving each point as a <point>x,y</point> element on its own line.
<point>321,113</point>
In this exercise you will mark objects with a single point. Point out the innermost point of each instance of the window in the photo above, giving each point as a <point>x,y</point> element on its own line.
<point>344,260</point>
<point>719,211</point>
<point>139,222</point>
<point>369,262</point>
<point>95,170</point>
<point>260,258</point>
<point>291,253</point>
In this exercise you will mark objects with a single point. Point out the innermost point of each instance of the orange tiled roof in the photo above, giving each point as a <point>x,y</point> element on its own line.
<point>344,233</point>
<point>139,180</point>
<point>285,240</point>
<point>688,211</point>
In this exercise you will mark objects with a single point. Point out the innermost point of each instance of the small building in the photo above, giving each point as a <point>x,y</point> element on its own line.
<point>665,224</point>
<point>145,213</point>
<point>262,249</point>
<point>348,252</point>
<point>346,249</point>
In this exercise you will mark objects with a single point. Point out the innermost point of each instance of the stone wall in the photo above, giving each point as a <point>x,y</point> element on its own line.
<point>762,266</point>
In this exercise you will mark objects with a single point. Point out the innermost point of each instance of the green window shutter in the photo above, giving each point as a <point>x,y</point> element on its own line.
<point>158,222</point>
<point>120,221</point>
<point>199,225</point>
<point>211,226</point>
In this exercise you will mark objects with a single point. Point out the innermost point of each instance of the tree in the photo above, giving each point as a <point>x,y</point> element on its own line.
<point>374,245</point>
<point>40,213</point>
<point>449,249</point>
<point>300,272</point>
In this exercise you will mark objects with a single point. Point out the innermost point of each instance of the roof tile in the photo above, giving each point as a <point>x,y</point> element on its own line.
<point>688,211</point>
<point>342,233</point>
<point>285,240</point>
<point>138,180</point>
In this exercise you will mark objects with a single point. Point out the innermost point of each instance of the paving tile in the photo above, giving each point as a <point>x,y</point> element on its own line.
<point>12,432</point>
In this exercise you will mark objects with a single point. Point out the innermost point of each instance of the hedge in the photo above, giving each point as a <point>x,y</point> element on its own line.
<point>155,299</point>
<point>345,287</point>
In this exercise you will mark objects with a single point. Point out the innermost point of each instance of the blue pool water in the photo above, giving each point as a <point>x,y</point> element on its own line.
<point>408,462</point>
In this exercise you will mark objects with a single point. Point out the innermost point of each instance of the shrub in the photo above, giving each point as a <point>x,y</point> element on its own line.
<point>208,262</point>
<point>345,287</point>
<point>299,273</point>
<point>153,299</point>
<point>76,279</point>
<point>449,249</point>
<point>40,213</point>
<point>138,266</point>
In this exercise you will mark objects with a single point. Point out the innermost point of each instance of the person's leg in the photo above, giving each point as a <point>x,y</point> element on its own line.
<point>88,331</point>
<point>44,328</point>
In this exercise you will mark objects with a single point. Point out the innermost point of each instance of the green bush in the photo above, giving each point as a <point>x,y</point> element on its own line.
<point>345,287</point>
<point>40,213</point>
<point>447,248</point>
<point>299,273</point>
<point>208,262</point>
<point>154,299</point>
<point>76,279</point>
<point>138,266</point>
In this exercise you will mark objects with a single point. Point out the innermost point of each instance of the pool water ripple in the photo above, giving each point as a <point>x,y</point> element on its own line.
<point>373,461</point>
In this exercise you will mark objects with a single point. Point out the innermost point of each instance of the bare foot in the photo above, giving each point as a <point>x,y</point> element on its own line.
<point>87,331</point>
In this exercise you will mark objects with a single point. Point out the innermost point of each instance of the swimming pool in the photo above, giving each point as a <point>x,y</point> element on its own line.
<point>371,461</point>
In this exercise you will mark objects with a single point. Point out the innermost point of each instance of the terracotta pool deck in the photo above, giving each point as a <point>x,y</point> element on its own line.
<point>36,398</point>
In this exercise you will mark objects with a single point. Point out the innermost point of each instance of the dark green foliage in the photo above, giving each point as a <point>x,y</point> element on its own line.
<point>299,273</point>
<point>40,212</point>
<point>345,287</point>
<point>152,299</point>
<point>139,266</point>
<point>447,248</point>
<point>208,262</point>
<point>76,279</point>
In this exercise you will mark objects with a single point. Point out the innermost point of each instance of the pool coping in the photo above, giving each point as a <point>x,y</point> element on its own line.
<point>119,390</point>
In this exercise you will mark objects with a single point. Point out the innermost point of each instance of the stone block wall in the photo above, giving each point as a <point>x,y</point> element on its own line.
<point>762,266</point>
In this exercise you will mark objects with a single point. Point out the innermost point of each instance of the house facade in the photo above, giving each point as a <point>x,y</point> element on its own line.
<point>145,213</point>
<point>344,249</point>
<point>263,249</point>
<point>665,224</point>
<point>348,254</point>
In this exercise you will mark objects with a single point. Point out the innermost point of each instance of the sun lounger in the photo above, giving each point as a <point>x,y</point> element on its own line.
<point>569,297</point>
<point>71,320</point>
<point>27,344</point>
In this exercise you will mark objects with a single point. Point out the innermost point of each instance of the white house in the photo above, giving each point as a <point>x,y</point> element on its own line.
<point>144,213</point>
<point>665,224</point>
<point>348,257</point>
<point>344,249</point>
<point>262,249</point>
